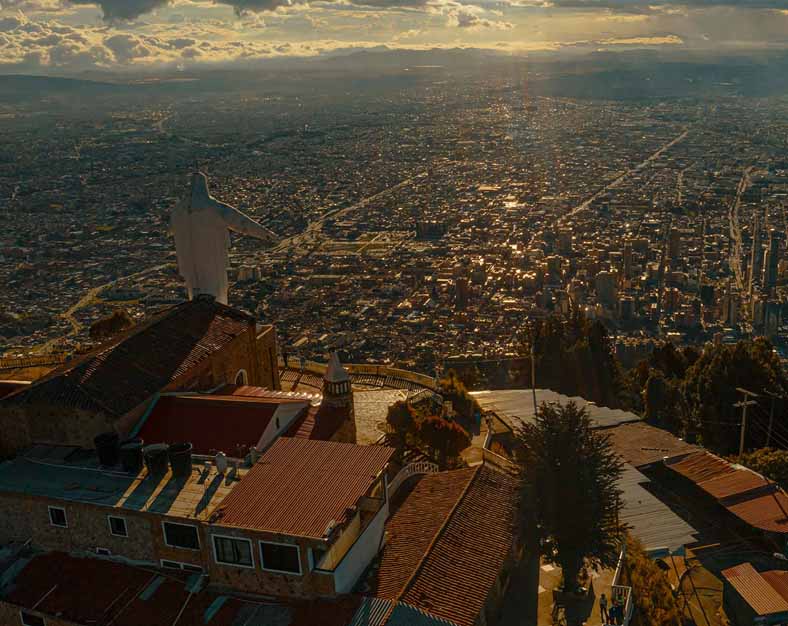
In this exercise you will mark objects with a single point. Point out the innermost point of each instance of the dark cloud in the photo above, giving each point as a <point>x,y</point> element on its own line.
<point>124,9</point>
<point>644,7</point>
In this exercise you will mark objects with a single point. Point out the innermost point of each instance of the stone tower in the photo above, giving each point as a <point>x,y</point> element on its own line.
<point>337,388</point>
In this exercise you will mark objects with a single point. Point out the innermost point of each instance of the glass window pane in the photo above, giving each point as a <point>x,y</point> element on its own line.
<point>280,557</point>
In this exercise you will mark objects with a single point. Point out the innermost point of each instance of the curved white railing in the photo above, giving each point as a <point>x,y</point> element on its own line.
<point>411,469</point>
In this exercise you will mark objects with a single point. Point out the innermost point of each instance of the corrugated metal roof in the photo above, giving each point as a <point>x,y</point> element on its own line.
<point>642,444</point>
<point>299,486</point>
<point>372,612</point>
<point>517,406</point>
<point>650,519</point>
<point>755,590</point>
<point>737,483</point>
<point>768,512</point>
<point>701,466</point>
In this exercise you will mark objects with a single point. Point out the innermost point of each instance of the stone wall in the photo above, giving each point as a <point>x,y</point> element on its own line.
<point>27,517</point>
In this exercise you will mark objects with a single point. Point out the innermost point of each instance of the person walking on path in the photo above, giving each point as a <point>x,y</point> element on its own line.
<point>603,614</point>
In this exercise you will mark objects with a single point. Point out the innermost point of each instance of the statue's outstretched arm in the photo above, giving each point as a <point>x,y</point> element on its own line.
<point>242,223</point>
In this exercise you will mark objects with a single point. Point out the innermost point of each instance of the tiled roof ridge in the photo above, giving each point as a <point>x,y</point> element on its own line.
<point>72,364</point>
<point>434,540</point>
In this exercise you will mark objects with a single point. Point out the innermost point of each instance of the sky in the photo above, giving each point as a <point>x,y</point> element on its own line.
<point>78,35</point>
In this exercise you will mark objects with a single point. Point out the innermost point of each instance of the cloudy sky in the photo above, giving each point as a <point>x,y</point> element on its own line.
<point>76,35</point>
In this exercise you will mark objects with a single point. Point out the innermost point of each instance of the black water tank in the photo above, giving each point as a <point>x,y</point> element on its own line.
<point>107,448</point>
<point>131,455</point>
<point>181,459</point>
<point>156,459</point>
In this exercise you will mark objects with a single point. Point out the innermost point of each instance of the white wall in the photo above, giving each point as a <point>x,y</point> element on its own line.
<point>362,553</point>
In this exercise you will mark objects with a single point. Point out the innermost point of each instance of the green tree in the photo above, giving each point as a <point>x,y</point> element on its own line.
<point>452,388</point>
<point>401,420</point>
<point>574,355</point>
<point>570,475</point>
<point>445,438</point>
<point>655,604</point>
<point>709,392</point>
<point>771,463</point>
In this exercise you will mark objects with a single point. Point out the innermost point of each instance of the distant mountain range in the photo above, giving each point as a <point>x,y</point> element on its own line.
<point>643,74</point>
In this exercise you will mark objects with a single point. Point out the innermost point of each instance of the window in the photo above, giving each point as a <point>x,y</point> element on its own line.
<point>186,567</point>
<point>181,536</point>
<point>57,517</point>
<point>28,619</point>
<point>232,551</point>
<point>280,557</point>
<point>117,526</point>
<point>103,552</point>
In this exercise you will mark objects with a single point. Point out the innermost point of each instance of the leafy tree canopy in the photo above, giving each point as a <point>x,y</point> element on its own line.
<point>570,473</point>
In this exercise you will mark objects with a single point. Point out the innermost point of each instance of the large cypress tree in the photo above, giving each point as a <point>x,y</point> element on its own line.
<point>570,475</point>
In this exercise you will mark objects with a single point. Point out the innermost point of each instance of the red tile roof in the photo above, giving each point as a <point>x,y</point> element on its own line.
<point>99,591</point>
<point>211,423</point>
<point>755,590</point>
<point>123,373</point>
<point>412,528</point>
<point>299,486</point>
<point>458,554</point>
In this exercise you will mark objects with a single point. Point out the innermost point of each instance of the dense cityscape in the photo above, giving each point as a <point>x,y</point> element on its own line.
<point>415,226</point>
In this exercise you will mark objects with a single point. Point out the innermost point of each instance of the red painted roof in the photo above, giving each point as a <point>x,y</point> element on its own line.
<point>299,486</point>
<point>755,590</point>
<point>212,423</point>
<point>128,370</point>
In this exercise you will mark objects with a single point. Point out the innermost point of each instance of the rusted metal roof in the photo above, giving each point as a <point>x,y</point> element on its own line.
<point>299,486</point>
<point>755,590</point>
<point>737,483</point>
<point>700,466</point>
<point>767,512</point>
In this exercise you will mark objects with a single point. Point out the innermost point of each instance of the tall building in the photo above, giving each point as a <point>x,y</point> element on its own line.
<point>606,293</point>
<point>757,252</point>
<point>771,261</point>
<point>674,244</point>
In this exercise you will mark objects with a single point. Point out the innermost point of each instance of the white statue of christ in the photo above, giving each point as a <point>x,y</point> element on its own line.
<point>200,226</point>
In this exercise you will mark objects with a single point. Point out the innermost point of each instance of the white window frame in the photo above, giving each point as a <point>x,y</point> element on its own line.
<point>216,556</point>
<point>57,508</point>
<point>169,545</point>
<point>22,617</point>
<point>181,564</point>
<point>279,571</point>
<point>103,552</point>
<point>125,526</point>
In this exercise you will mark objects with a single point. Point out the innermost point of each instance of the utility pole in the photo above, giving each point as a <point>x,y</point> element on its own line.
<point>744,404</point>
